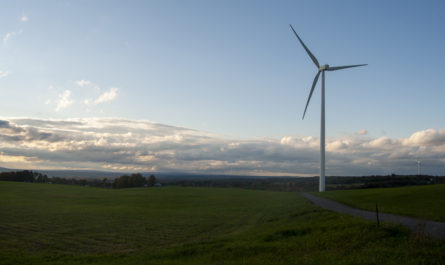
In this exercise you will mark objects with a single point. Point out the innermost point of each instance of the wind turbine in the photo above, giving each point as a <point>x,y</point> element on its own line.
<point>321,69</point>
<point>418,167</point>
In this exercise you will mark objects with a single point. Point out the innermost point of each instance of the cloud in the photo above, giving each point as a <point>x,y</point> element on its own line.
<point>64,100</point>
<point>379,143</point>
<point>90,96</point>
<point>427,137</point>
<point>87,101</point>
<point>7,158</point>
<point>4,124</point>
<point>8,36</point>
<point>362,132</point>
<point>3,73</point>
<point>135,145</point>
<point>107,96</point>
<point>83,83</point>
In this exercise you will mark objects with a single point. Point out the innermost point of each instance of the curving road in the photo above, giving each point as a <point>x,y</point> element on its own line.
<point>430,228</point>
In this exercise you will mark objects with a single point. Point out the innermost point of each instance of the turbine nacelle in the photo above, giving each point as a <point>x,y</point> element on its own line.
<point>324,67</point>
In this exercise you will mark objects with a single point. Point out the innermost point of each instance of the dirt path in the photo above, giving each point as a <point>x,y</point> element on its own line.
<point>430,228</point>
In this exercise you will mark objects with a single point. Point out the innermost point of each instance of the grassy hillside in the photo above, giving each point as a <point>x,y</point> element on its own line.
<point>426,202</point>
<point>53,224</point>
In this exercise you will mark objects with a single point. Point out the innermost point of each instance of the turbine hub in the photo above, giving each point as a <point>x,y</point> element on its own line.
<point>324,67</point>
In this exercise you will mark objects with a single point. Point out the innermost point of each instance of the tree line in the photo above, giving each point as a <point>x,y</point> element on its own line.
<point>125,181</point>
<point>134,180</point>
<point>271,183</point>
<point>24,176</point>
<point>298,184</point>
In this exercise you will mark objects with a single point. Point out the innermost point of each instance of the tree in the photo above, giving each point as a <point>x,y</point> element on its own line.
<point>125,181</point>
<point>151,181</point>
<point>136,180</point>
<point>121,182</point>
<point>42,178</point>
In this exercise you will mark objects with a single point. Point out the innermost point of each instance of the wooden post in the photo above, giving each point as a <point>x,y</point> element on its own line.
<point>377,214</point>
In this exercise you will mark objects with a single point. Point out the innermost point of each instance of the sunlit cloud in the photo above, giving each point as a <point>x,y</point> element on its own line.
<point>89,96</point>
<point>362,132</point>
<point>83,83</point>
<point>64,100</point>
<point>427,137</point>
<point>107,96</point>
<point>7,158</point>
<point>134,145</point>
<point>24,18</point>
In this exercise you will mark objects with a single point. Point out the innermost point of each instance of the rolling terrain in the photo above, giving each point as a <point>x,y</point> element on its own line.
<point>60,224</point>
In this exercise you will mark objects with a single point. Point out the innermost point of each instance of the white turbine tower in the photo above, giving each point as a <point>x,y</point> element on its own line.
<point>418,167</point>
<point>321,69</point>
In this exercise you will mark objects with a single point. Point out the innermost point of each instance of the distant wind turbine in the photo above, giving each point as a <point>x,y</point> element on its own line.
<point>418,167</point>
<point>321,69</point>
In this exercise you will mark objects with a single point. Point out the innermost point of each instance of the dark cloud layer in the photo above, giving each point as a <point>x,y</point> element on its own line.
<point>133,145</point>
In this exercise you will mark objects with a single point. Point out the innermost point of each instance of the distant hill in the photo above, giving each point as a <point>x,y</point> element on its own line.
<point>3,169</point>
<point>95,174</point>
<point>161,175</point>
<point>72,173</point>
<point>81,174</point>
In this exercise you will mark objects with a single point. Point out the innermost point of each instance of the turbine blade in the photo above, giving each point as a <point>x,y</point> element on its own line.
<point>307,50</point>
<point>312,90</point>
<point>335,68</point>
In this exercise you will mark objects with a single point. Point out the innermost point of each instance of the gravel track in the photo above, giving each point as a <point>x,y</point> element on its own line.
<point>430,228</point>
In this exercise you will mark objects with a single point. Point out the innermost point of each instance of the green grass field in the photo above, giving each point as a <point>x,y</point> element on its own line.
<point>425,202</point>
<point>55,224</point>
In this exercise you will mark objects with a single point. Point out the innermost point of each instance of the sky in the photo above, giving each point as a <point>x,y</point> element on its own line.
<point>220,86</point>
